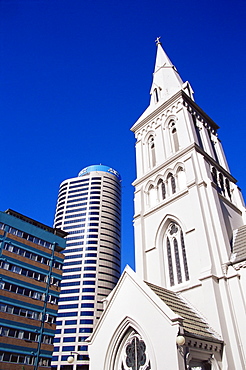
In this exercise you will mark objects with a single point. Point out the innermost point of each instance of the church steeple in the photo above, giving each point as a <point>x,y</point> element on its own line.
<point>183,183</point>
<point>166,80</point>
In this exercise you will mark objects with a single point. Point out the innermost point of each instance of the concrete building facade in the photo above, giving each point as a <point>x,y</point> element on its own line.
<point>89,210</point>
<point>30,272</point>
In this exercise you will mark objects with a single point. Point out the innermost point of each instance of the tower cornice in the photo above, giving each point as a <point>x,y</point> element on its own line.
<point>180,153</point>
<point>187,102</point>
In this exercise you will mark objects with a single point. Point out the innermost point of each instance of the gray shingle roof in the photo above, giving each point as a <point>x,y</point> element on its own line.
<point>239,244</point>
<point>193,323</point>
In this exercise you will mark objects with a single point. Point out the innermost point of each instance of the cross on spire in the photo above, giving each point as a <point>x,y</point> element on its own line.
<point>157,41</point>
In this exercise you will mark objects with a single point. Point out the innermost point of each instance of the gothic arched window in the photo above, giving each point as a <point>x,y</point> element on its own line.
<point>174,136</point>
<point>176,254</point>
<point>214,175</point>
<point>134,354</point>
<point>221,182</point>
<point>151,151</point>
<point>161,190</point>
<point>171,183</point>
<point>228,188</point>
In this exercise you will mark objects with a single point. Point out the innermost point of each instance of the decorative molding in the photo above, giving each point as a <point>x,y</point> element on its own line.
<point>237,266</point>
<point>166,201</point>
<point>196,343</point>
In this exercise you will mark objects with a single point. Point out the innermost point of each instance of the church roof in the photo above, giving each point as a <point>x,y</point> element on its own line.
<point>239,245</point>
<point>194,324</point>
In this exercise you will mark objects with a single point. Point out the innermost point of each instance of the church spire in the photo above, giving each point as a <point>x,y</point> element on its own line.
<point>166,80</point>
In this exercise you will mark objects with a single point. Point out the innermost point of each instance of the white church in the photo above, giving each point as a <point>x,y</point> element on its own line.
<point>184,307</point>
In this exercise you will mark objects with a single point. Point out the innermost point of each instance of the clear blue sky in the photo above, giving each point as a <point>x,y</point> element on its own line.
<point>75,76</point>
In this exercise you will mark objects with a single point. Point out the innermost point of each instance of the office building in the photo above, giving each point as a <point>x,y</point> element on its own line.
<point>30,272</point>
<point>184,308</point>
<point>89,210</point>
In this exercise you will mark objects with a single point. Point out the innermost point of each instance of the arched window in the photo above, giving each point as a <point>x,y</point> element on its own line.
<point>174,136</point>
<point>228,188</point>
<point>214,175</point>
<point>161,190</point>
<point>176,254</point>
<point>221,183</point>
<point>171,183</point>
<point>151,151</point>
<point>132,352</point>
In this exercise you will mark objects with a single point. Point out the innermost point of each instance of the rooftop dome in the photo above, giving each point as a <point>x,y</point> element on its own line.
<point>97,168</point>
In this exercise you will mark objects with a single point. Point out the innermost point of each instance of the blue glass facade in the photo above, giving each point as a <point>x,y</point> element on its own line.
<point>89,210</point>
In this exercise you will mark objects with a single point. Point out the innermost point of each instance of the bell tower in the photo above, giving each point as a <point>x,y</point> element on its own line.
<point>187,207</point>
<point>187,203</point>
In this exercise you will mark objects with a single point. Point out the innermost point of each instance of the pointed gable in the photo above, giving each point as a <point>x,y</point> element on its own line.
<point>153,316</point>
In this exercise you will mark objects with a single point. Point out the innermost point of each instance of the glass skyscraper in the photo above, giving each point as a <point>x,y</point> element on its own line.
<point>89,210</point>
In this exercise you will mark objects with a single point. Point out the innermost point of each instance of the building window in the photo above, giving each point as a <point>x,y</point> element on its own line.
<point>134,354</point>
<point>177,260</point>
<point>161,190</point>
<point>170,264</point>
<point>214,175</point>
<point>228,188</point>
<point>174,137</point>
<point>171,183</point>
<point>151,151</point>
<point>16,358</point>
<point>69,330</point>
<point>221,183</point>
<point>177,264</point>
<point>86,322</point>
<point>68,348</point>
<point>156,96</point>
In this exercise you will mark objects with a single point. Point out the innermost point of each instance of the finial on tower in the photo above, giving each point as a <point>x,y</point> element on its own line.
<point>157,41</point>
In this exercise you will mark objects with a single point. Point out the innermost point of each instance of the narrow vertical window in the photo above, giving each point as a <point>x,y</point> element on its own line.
<point>221,182</point>
<point>174,137</point>
<point>156,95</point>
<point>177,260</point>
<point>228,189</point>
<point>161,190</point>
<point>177,266</point>
<point>151,149</point>
<point>214,175</point>
<point>171,183</point>
<point>184,257</point>
<point>170,264</point>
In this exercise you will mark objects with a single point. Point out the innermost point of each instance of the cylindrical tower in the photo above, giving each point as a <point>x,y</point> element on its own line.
<point>89,210</point>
